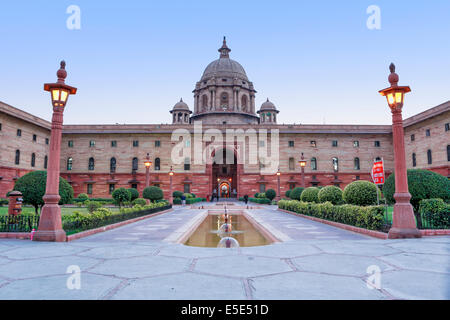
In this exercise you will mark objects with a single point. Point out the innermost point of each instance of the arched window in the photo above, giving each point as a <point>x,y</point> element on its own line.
<point>356,163</point>
<point>313,164</point>
<point>414,161</point>
<point>180,117</point>
<point>135,164</point>
<point>335,164</point>
<point>157,164</point>
<point>69,164</point>
<point>112,165</point>
<point>45,162</point>
<point>17,160</point>
<point>244,101</point>
<point>204,102</point>
<point>448,152</point>
<point>430,159</point>
<point>291,164</point>
<point>224,99</point>
<point>187,163</point>
<point>91,164</point>
<point>33,159</point>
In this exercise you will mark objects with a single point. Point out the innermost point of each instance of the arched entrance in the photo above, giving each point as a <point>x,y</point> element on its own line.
<point>224,173</point>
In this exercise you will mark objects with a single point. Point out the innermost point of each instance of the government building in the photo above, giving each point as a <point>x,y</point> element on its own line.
<point>96,159</point>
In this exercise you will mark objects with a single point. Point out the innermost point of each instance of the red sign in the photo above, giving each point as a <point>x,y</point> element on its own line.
<point>378,172</point>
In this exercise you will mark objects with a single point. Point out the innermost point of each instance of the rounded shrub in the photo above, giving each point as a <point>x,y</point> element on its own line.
<point>422,184</point>
<point>177,194</point>
<point>361,193</point>
<point>121,196</point>
<point>188,195</point>
<point>271,194</point>
<point>288,193</point>
<point>93,206</point>
<point>310,194</point>
<point>139,201</point>
<point>332,194</point>
<point>257,195</point>
<point>134,194</point>
<point>153,193</point>
<point>261,195</point>
<point>83,197</point>
<point>296,193</point>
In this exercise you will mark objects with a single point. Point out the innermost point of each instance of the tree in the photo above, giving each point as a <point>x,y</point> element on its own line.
<point>153,193</point>
<point>310,194</point>
<point>134,194</point>
<point>361,193</point>
<point>271,194</point>
<point>32,186</point>
<point>121,195</point>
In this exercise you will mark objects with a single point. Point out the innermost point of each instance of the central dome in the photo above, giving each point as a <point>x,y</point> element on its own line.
<point>224,66</point>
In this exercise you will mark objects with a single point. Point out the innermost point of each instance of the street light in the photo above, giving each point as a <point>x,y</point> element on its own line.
<point>403,224</point>
<point>302,164</point>
<point>171,194</point>
<point>278,185</point>
<point>50,225</point>
<point>147,164</point>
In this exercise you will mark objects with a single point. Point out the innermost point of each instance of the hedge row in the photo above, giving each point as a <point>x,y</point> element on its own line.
<point>260,200</point>
<point>188,200</point>
<point>435,214</point>
<point>370,217</point>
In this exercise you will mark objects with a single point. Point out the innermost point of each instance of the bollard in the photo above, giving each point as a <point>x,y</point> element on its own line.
<point>32,234</point>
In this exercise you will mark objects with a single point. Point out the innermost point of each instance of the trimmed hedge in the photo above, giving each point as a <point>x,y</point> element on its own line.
<point>153,193</point>
<point>139,201</point>
<point>176,200</point>
<point>93,206</point>
<point>296,193</point>
<point>177,194</point>
<point>260,200</point>
<point>134,194</point>
<point>194,200</point>
<point>82,197</point>
<point>271,194</point>
<point>120,196</point>
<point>310,194</point>
<point>435,214</point>
<point>288,193</point>
<point>4,202</point>
<point>369,217</point>
<point>332,194</point>
<point>361,193</point>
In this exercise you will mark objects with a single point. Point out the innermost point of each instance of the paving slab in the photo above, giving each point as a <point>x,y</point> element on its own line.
<point>423,262</point>
<point>180,250</point>
<point>356,248</point>
<point>281,250</point>
<point>120,251</point>
<point>35,250</point>
<point>422,247</point>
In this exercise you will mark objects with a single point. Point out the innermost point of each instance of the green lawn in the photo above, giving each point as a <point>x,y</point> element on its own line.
<point>64,210</point>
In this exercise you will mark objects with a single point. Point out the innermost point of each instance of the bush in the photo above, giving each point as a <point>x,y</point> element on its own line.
<point>261,195</point>
<point>120,196</point>
<point>188,195</point>
<point>193,200</point>
<point>193,195</point>
<point>271,194</point>
<point>256,195</point>
<point>288,193</point>
<point>139,201</point>
<point>435,213</point>
<point>93,206</point>
<point>260,200</point>
<point>153,193</point>
<point>82,197</point>
<point>332,194</point>
<point>361,193</point>
<point>296,193</point>
<point>4,202</point>
<point>177,194</point>
<point>134,194</point>
<point>310,194</point>
<point>422,184</point>
<point>176,200</point>
<point>32,185</point>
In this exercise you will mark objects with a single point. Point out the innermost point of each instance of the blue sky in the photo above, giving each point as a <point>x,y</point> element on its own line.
<point>316,60</point>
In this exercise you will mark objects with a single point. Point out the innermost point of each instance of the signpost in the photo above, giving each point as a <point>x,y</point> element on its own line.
<point>378,175</point>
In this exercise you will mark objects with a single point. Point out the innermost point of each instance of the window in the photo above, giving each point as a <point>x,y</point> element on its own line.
<point>291,144</point>
<point>377,144</point>
<point>187,188</point>
<point>413,137</point>
<point>112,186</point>
<point>46,140</point>
<point>356,144</point>
<point>69,164</point>
<point>313,144</point>
<point>34,137</point>
<point>335,164</point>
<point>134,185</point>
<point>91,164</point>
<point>427,132</point>
<point>113,143</point>
<point>262,188</point>
<point>17,159</point>
<point>204,102</point>
<point>92,143</point>
<point>89,188</point>
<point>357,178</point>
<point>187,143</point>
<point>70,143</point>
<point>447,127</point>
<point>19,132</point>
<point>33,159</point>
<point>356,163</point>
<point>135,143</point>
<point>187,163</point>
<point>244,102</point>
<point>414,161</point>
<point>134,164</point>
<point>448,152</point>
<point>224,99</point>
<point>334,143</point>
<point>313,164</point>
<point>112,165</point>
<point>157,164</point>
<point>157,143</point>
<point>224,170</point>
<point>45,162</point>
<point>430,159</point>
<point>291,164</point>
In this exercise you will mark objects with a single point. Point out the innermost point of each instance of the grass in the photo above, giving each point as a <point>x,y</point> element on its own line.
<point>64,210</point>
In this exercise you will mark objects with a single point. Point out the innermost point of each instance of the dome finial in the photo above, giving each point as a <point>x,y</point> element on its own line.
<point>393,77</point>
<point>224,50</point>
<point>62,73</point>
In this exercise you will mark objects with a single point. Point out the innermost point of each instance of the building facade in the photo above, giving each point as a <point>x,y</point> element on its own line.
<point>224,144</point>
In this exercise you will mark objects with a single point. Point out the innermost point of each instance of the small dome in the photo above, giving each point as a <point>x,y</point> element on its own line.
<point>267,106</point>
<point>181,106</point>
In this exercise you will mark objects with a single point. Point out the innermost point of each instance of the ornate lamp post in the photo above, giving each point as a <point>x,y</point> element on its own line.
<point>403,225</point>
<point>278,197</point>
<point>50,226</point>
<point>147,164</point>
<point>171,193</point>
<point>302,164</point>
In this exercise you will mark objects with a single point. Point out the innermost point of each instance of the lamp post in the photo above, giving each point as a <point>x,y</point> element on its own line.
<point>171,193</point>
<point>147,164</point>
<point>277,198</point>
<point>302,164</point>
<point>403,224</point>
<point>50,226</point>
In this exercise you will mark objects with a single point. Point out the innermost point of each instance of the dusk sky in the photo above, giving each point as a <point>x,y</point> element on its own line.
<point>316,60</point>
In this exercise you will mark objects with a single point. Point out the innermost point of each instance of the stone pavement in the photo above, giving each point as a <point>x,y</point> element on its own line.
<point>315,261</point>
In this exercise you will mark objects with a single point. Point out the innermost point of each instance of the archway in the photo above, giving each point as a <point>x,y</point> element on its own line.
<point>224,173</point>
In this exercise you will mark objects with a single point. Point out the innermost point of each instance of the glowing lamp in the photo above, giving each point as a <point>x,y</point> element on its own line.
<point>59,91</point>
<point>394,94</point>
<point>171,171</point>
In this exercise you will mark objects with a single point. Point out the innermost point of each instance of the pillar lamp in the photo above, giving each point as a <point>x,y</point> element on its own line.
<point>403,224</point>
<point>302,164</point>
<point>278,197</point>
<point>50,225</point>
<point>147,164</point>
<point>171,193</point>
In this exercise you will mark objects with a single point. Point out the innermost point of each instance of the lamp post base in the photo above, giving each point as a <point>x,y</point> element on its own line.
<point>50,227</point>
<point>404,223</point>
<point>50,235</point>
<point>402,233</point>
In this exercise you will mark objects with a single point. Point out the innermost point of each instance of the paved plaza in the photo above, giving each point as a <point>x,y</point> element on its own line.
<point>141,261</point>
